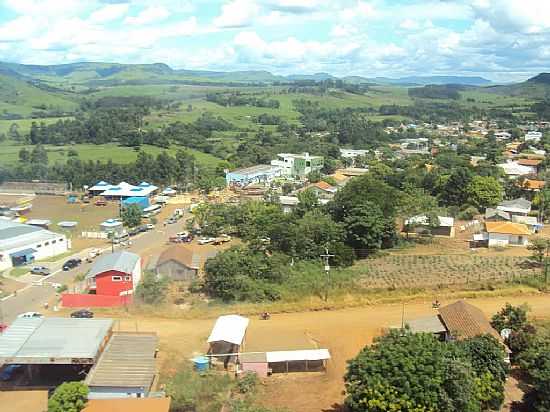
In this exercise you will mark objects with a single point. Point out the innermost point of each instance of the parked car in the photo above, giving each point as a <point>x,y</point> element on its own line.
<point>185,236</point>
<point>83,314</point>
<point>72,263</point>
<point>100,202</point>
<point>170,221</point>
<point>134,231</point>
<point>206,240</point>
<point>40,270</point>
<point>222,239</point>
<point>10,371</point>
<point>149,226</point>
<point>28,315</point>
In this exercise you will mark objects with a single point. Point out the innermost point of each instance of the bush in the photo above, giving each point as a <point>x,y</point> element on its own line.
<point>69,397</point>
<point>152,289</point>
<point>247,382</point>
<point>467,214</point>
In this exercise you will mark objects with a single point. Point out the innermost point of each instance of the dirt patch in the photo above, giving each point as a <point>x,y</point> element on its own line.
<point>343,332</point>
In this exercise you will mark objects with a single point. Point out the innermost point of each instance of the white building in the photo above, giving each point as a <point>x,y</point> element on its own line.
<point>22,244</point>
<point>514,169</point>
<point>533,137</point>
<point>503,136</point>
<point>298,165</point>
<point>352,153</point>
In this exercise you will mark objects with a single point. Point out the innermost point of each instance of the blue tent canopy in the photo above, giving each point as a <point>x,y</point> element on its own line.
<point>141,201</point>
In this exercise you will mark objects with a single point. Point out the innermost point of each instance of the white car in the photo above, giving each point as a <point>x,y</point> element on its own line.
<point>28,315</point>
<point>150,226</point>
<point>206,240</point>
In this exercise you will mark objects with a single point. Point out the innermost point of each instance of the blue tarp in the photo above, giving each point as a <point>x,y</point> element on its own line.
<point>22,253</point>
<point>141,201</point>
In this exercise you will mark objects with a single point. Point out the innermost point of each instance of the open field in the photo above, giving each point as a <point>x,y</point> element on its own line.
<point>9,153</point>
<point>343,332</point>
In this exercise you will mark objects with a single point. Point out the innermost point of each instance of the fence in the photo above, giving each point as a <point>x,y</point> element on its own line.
<point>95,235</point>
<point>81,300</point>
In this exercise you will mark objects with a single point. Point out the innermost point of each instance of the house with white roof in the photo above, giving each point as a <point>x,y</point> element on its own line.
<point>227,336</point>
<point>22,244</point>
<point>533,137</point>
<point>518,206</point>
<point>443,227</point>
<point>514,169</point>
<point>122,190</point>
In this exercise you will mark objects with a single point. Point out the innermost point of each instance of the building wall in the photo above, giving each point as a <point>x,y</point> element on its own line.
<point>259,369</point>
<point>498,239</point>
<point>176,271</point>
<point>113,392</point>
<point>105,285</point>
<point>83,300</point>
<point>54,246</point>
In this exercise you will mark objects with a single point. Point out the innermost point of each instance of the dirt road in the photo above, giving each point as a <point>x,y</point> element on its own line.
<point>343,332</point>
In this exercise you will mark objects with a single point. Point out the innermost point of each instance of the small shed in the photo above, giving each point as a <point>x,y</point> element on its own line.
<point>113,226</point>
<point>265,363</point>
<point>227,337</point>
<point>179,263</point>
<point>43,223</point>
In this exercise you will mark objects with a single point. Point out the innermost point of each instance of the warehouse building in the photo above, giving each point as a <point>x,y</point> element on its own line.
<point>22,244</point>
<point>254,174</point>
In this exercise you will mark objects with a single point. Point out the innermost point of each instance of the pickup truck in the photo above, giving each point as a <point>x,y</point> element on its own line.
<point>92,255</point>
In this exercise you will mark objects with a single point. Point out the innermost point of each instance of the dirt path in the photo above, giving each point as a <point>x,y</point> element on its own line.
<point>343,332</point>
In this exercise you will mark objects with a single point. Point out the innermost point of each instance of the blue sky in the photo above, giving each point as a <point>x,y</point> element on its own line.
<point>503,40</point>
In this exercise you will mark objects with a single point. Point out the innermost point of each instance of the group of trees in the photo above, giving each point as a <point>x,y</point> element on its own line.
<point>446,91</point>
<point>242,99</point>
<point>409,372</point>
<point>360,219</point>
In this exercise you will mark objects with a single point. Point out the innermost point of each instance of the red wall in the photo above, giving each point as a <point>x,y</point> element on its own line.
<point>104,284</point>
<point>93,301</point>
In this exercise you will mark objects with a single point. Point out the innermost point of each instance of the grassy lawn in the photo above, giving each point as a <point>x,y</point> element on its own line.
<point>19,271</point>
<point>9,153</point>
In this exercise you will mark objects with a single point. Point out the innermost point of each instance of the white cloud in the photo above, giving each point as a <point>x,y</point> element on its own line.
<point>237,13</point>
<point>18,29</point>
<point>524,16</point>
<point>48,8</point>
<point>149,15</point>
<point>361,10</point>
<point>295,6</point>
<point>409,24</point>
<point>109,13</point>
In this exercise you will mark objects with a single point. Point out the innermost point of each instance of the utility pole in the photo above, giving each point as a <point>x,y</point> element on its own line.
<point>326,257</point>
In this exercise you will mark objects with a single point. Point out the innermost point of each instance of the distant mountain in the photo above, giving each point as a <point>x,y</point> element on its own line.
<point>537,87</point>
<point>318,77</point>
<point>437,80</point>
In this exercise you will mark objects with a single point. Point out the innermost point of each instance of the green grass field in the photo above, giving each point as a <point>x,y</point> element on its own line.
<point>9,153</point>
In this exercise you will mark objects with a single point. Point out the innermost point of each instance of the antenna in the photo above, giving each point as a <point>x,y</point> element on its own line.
<point>326,256</point>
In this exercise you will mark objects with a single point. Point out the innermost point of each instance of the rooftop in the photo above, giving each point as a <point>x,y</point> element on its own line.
<point>430,324</point>
<point>181,254</point>
<point>509,205</point>
<point>53,340</point>
<point>127,361</point>
<point>229,328</point>
<point>466,321</point>
<point>529,162</point>
<point>122,261</point>
<point>128,404</point>
<point>507,228</point>
<point>255,170</point>
<point>14,235</point>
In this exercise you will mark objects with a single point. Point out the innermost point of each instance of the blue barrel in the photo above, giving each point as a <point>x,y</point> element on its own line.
<point>201,363</point>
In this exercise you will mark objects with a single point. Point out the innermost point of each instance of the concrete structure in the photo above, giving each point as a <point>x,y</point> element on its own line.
<point>60,341</point>
<point>530,221</point>
<point>444,226</point>
<point>533,137</point>
<point>115,274</point>
<point>513,169</point>
<point>181,263</point>
<point>126,368</point>
<point>264,363</point>
<point>22,244</point>
<point>288,203</point>
<point>352,153</point>
<point>298,165</point>
<point>253,175</point>
<point>502,234</point>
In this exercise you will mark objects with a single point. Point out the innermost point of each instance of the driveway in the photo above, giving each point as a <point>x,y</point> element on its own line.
<point>33,296</point>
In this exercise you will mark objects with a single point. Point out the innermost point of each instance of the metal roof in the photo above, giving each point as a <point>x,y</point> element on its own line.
<point>122,261</point>
<point>297,355</point>
<point>430,324</point>
<point>14,235</point>
<point>53,340</point>
<point>229,328</point>
<point>255,170</point>
<point>128,361</point>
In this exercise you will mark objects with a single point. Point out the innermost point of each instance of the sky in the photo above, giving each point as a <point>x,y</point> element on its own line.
<point>502,40</point>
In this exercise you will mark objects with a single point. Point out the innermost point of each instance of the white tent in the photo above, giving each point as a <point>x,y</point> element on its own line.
<point>229,328</point>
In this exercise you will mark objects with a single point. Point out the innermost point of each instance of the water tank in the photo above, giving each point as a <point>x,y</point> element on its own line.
<point>201,363</point>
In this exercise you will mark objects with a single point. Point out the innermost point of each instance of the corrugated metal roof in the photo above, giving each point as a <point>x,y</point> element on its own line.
<point>53,340</point>
<point>128,361</point>
<point>122,261</point>
<point>128,404</point>
<point>430,324</point>
<point>229,328</point>
<point>297,355</point>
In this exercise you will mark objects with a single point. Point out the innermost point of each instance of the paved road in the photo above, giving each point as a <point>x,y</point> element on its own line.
<point>33,296</point>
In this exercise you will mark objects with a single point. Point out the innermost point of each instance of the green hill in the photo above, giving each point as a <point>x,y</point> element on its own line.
<point>20,98</point>
<point>537,87</point>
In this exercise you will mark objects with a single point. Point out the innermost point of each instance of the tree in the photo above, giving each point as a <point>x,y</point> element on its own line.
<point>484,191</point>
<point>152,289</point>
<point>307,202</point>
<point>535,361</point>
<point>314,176</point>
<point>69,397</point>
<point>24,155</point>
<point>131,215</point>
<point>409,372</point>
<point>366,227</point>
<point>510,317</point>
<point>454,191</point>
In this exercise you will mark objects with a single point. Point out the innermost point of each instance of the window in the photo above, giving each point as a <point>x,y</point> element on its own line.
<point>308,164</point>
<point>46,244</point>
<point>38,246</point>
<point>53,242</point>
<point>61,240</point>
<point>116,278</point>
<point>127,278</point>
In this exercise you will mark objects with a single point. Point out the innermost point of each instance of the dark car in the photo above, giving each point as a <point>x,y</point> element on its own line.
<point>134,231</point>
<point>71,263</point>
<point>82,313</point>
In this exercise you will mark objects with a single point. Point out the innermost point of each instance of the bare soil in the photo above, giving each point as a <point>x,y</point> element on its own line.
<point>343,332</point>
